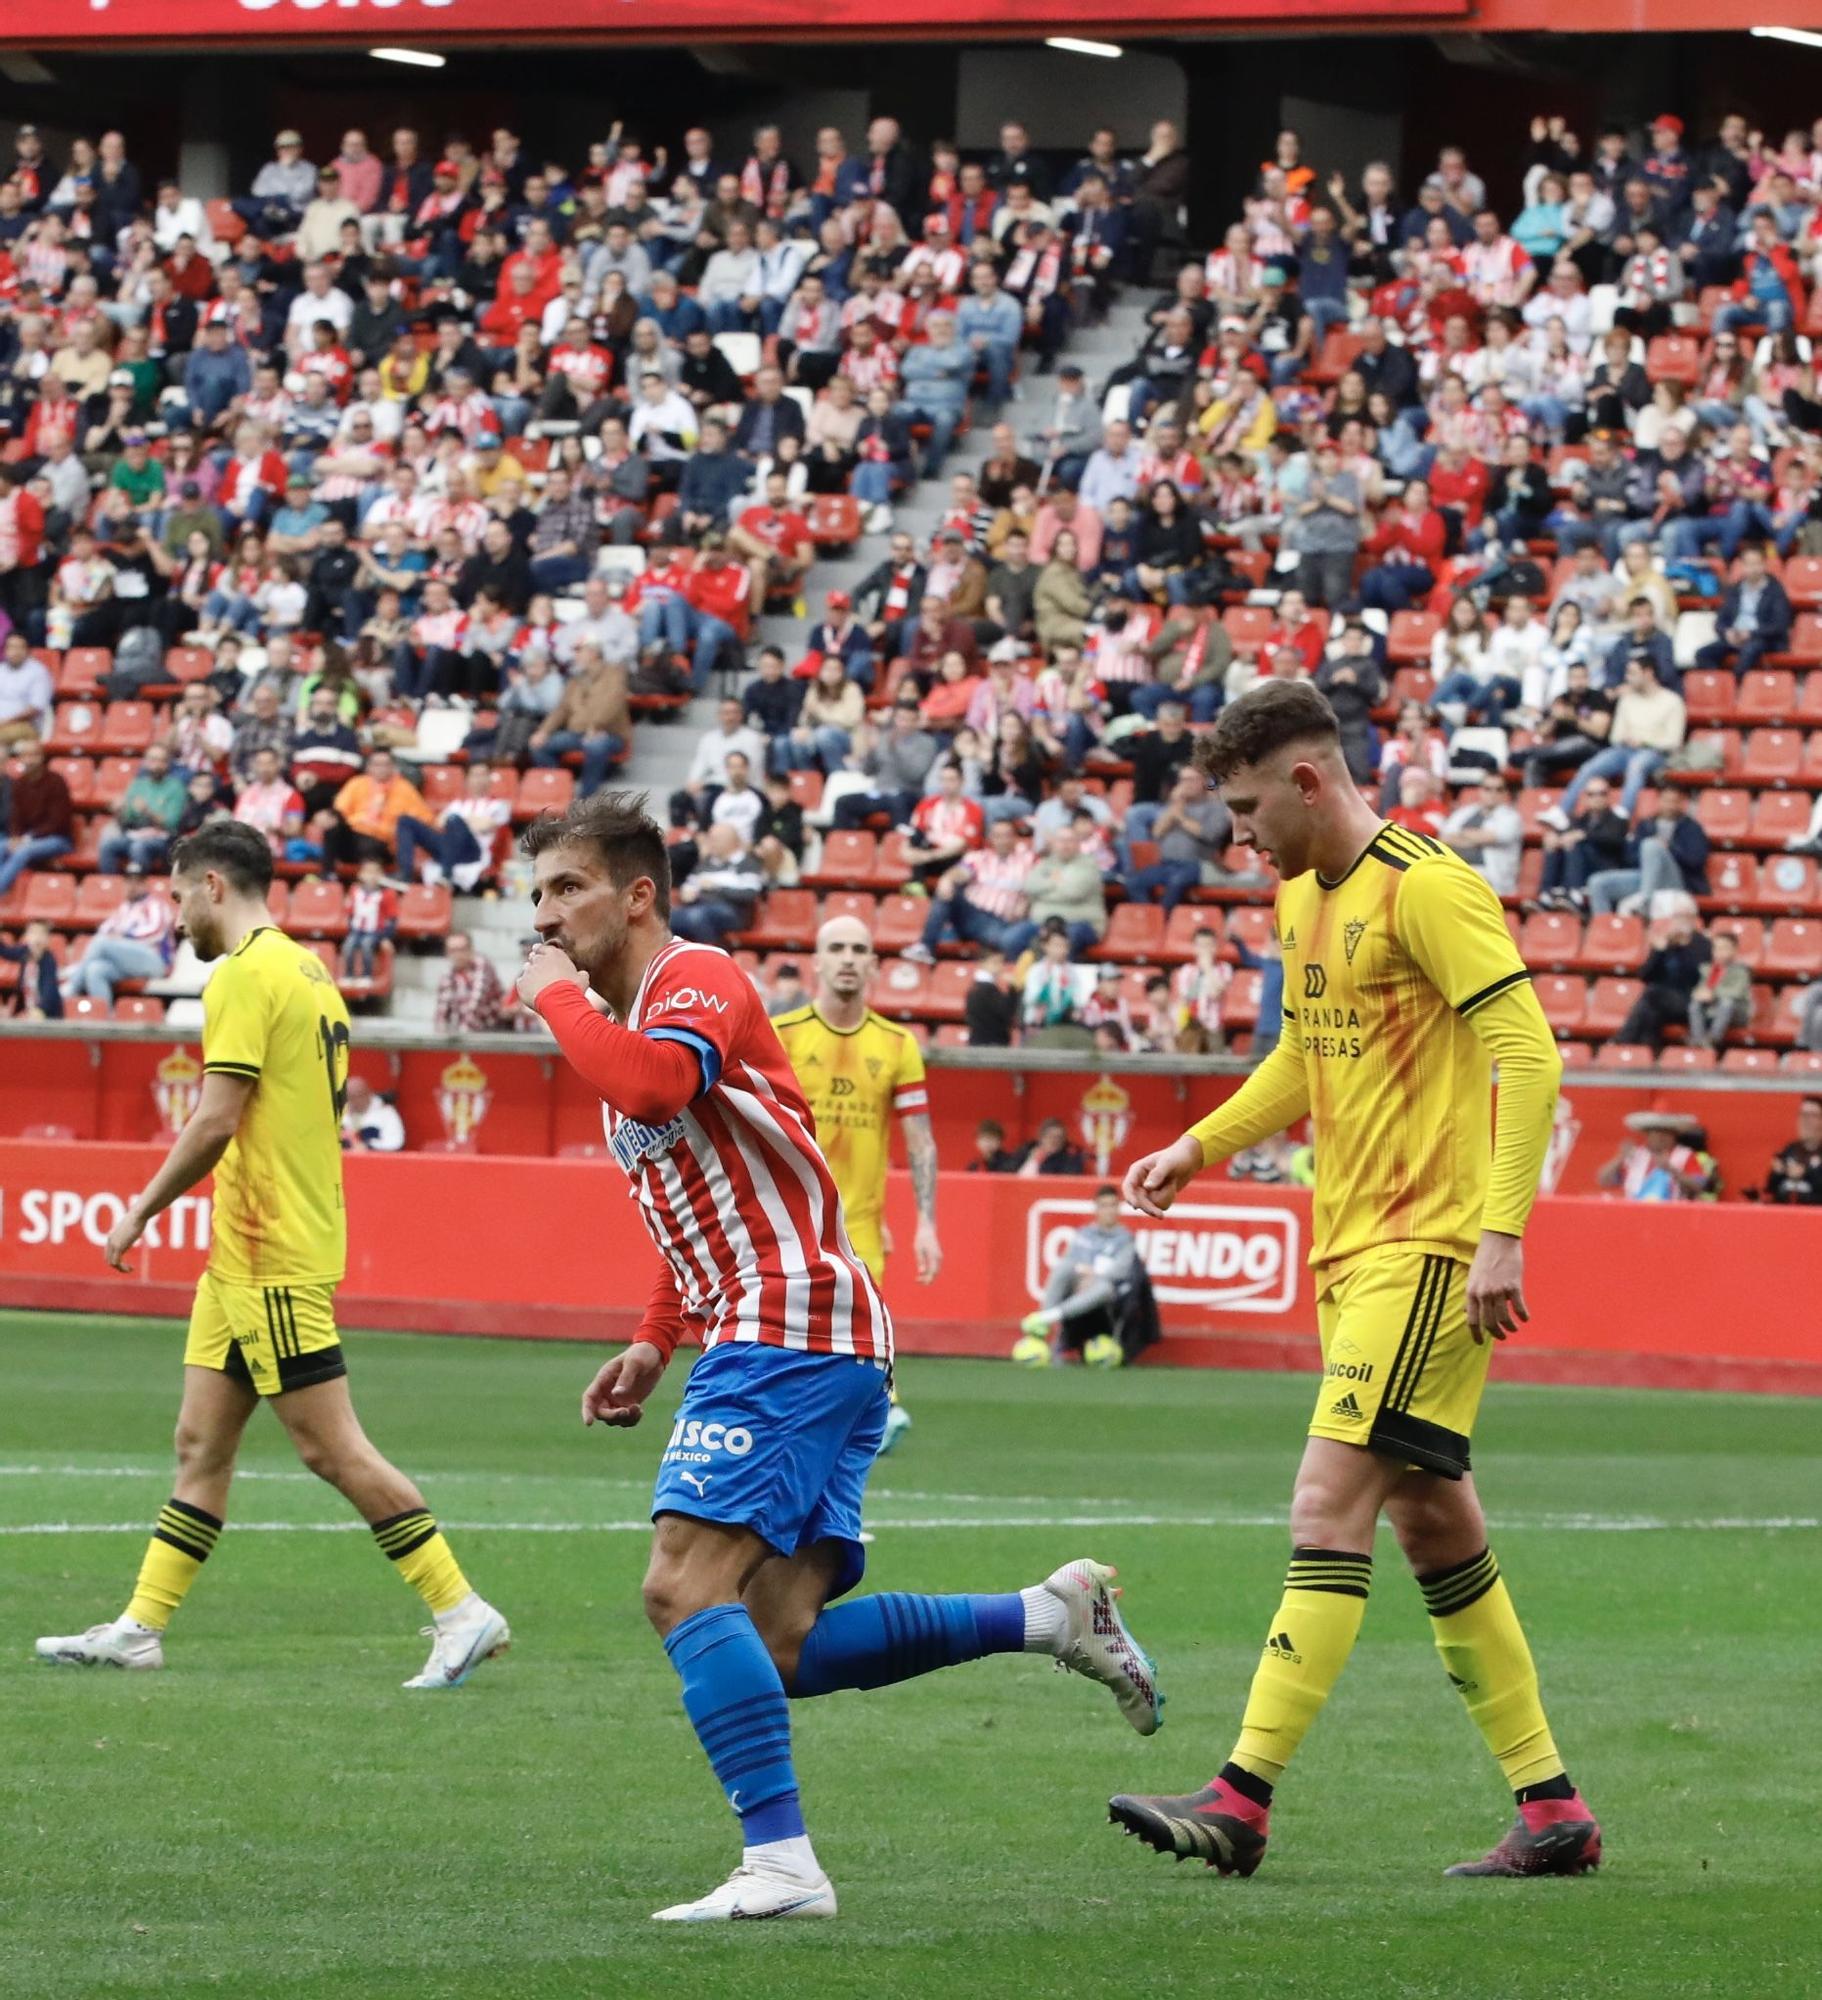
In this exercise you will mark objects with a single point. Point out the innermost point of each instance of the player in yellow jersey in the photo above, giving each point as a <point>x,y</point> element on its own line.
<point>1402,989</point>
<point>859,1070</point>
<point>275,1070</point>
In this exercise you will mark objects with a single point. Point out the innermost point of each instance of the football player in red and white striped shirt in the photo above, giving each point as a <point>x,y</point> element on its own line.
<point>758,1500</point>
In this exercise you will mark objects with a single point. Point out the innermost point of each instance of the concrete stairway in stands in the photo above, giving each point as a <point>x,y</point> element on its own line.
<point>661,755</point>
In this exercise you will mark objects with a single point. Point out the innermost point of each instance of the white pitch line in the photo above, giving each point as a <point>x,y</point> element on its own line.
<point>1567,1524</point>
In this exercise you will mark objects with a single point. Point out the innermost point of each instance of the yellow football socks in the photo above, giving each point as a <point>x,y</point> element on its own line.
<point>416,1546</point>
<point>1325,1594</point>
<point>1483,1648</point>
<point>179,1547</point>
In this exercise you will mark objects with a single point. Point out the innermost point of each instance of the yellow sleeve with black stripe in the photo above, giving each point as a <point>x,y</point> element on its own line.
<point>236,1019</point>
<point>1452,925</point>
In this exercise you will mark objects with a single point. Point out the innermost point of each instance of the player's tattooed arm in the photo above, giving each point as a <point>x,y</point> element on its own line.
<point>920,1154</point>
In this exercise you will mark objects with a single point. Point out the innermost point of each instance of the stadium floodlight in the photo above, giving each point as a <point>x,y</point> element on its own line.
<point>1073,45</point>
<point>1804,37</point>
<point>417,58</point>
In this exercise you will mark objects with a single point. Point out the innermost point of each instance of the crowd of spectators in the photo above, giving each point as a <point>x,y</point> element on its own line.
<point>469,456</point>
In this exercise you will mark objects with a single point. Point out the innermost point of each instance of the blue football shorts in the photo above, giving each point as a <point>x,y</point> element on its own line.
<point>780,1442</point>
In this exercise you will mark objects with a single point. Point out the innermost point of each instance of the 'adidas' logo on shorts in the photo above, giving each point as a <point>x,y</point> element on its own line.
<point>1347,1407</point>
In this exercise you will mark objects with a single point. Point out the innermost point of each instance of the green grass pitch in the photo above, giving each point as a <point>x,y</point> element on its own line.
<point>272,1818</point>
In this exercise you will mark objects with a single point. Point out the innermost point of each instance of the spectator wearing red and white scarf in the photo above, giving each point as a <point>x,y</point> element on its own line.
<point>936,258</point>
<point>254,480</point>
<point>268,798</point>
<point>870,363</point>
<point>768,178</point>
<point>463,409</point>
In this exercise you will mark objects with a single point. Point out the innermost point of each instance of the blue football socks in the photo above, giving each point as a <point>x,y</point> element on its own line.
<point>736,1704</point>
<point>874,1641</point>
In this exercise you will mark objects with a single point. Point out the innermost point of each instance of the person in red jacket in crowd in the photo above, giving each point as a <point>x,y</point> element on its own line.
<point>1407,549</point>
<point>775,540</point>
<point>1458,485</point>
<point>541,257</point>
<point>53,421</point>
<point>518,303</point>
<point>720,587</point>
<point>1295,624</point>
<point>21,545</point>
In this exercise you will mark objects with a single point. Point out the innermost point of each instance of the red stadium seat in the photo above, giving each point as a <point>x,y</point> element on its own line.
<point>1733,880</point>
<point>892,864</point>
<point>1551,939</point>
<point>1803,581</point>
<point>80,1007</point>
<point>1683,1057</point>
<point>1748,933</point>
<point>1135,933</point>
<point>1767,694</point>
<point>1240,1003</point>
<point>1750,1062</point>
<point>112,777</point>
<point>97,898</point>
<point>835,520</point>
<point>75,725</point>
<point>855,903</point>
<point>1247,625</point>
<point>847,858</point>
<point>318,910</point>
<point>141,1009</point>
<point>426,911</point>
<point>224,225</point>
<point>81,670</point>
<point>78,773</point>
<point>1609,1002</point>
<point>440,783</point>
<point>1793,949</point>
<point>1725,815</point>
<point>1806,639</point>
<point>784,921</point>
<point>1413,684</point>
<point>128,726</point>
<point>189,663</point>
<point>1564,1001</point>
<point>946,991</point>
<point>1575,1055</point>
<point>1709,695</point>
<point>1786,883</point>
<point>48,899</point>
<point>1622,1055</point>
<point>1407,640</point>
<point>806,789</point>
<point>328,952</point>
<point>1807,1062</point>
<point>1778,817</point>
<point>541,792</point>
<point>1674,357</point>
<point>1251,925</point>
<point>1339,351</point>
<point>898,921</point>
<point>1772,757</point>
<point>899,990</point>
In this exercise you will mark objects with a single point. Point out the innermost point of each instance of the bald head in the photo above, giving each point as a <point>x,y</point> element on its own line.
<point>844,962</point>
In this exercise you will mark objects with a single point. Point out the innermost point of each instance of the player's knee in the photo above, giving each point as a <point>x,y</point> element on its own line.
<point>199,1451</point>
<point>320,1455</point>
<point>666,1596</point>
<point>1436,1526</point>
<point>1327,1514</point>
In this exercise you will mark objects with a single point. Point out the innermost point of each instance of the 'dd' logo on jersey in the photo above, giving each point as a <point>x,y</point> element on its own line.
<point>1351,934</point>
<point>1315,982</point>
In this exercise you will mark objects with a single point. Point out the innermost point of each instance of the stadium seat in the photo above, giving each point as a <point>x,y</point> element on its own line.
<point>1337,354</point>
<point>81,670</point>
<point>946,991</point>
<point>892,862</point>
<point>1246,625</point>
<point>1709,695</point>
<point>128,726</point>
<point>1609,1002</point>
<point>1564,1001</point>
<point>224,224</point>
<point>81,1007</point>
<point>1793,949</point>
<point>541,792</point>
<point>1767,694</point>
<point>75,725</point>
<point>112,777</point>
<point>1803,582</point>
<point>426,911</point>
<point>1240,1003</point>
<point>48,899</point>
<point>78,773</point>
<point>834,520</point>
<point>1785,883</point>
<point>1805,648</point>
<point>1674,357</point>
<point>898,921</point>
<point>1812,744</point>
<point>951,1035</point>
<point>189,663</point>
<point>1407,639</point>
<point>1727,743</point>
<point>1806,1062</point>
<point>784,921</point>
<point>1771,757</point>
<point>806,789</point>
<point>278,902</point>
<point>855,903</point>
<point>1733,880</point>
<point>1551,939</point>
<point>1750,1062</point>
<point>1180,929</point>
<point>97,898</point>
<point>1683,1057</point>
<point>86,853</point>
<point>139,1009</point>
<point>847,858</point>
<point>1413,684</point>
<point>1725,815</point>
<point>1778,817</point>
<point>1623,1055</point>
<point>318,910</point>
<point>440,783</point>
<point>1613,943</point>
<point>899,990</point>
<point>1135,934</point>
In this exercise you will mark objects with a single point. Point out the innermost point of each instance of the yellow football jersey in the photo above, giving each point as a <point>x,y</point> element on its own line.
<point>855,1080</point>
<point>272,1013</point>
<point>1384,972</point>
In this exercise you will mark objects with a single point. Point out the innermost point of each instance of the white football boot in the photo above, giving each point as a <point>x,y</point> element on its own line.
<point>750,1894</point>
<point>122,1642</point>
<point>1096,1644</point>
<point>898,1421</point>
<point>460,1640</point>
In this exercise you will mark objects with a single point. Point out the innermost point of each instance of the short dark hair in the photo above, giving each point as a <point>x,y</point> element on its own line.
<point>1261,722</point>
<point>1107,1187</point>
<point>990,1126</point>
<point>233,849</point>
<point>618,827</point>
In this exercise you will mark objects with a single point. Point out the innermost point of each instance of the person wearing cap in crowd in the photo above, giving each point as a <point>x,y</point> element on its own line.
<point>1667,166</point>
<point>282,189</point>
<point>137,474</point>
<point>1656,1163</point>
<point>839,635</point>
